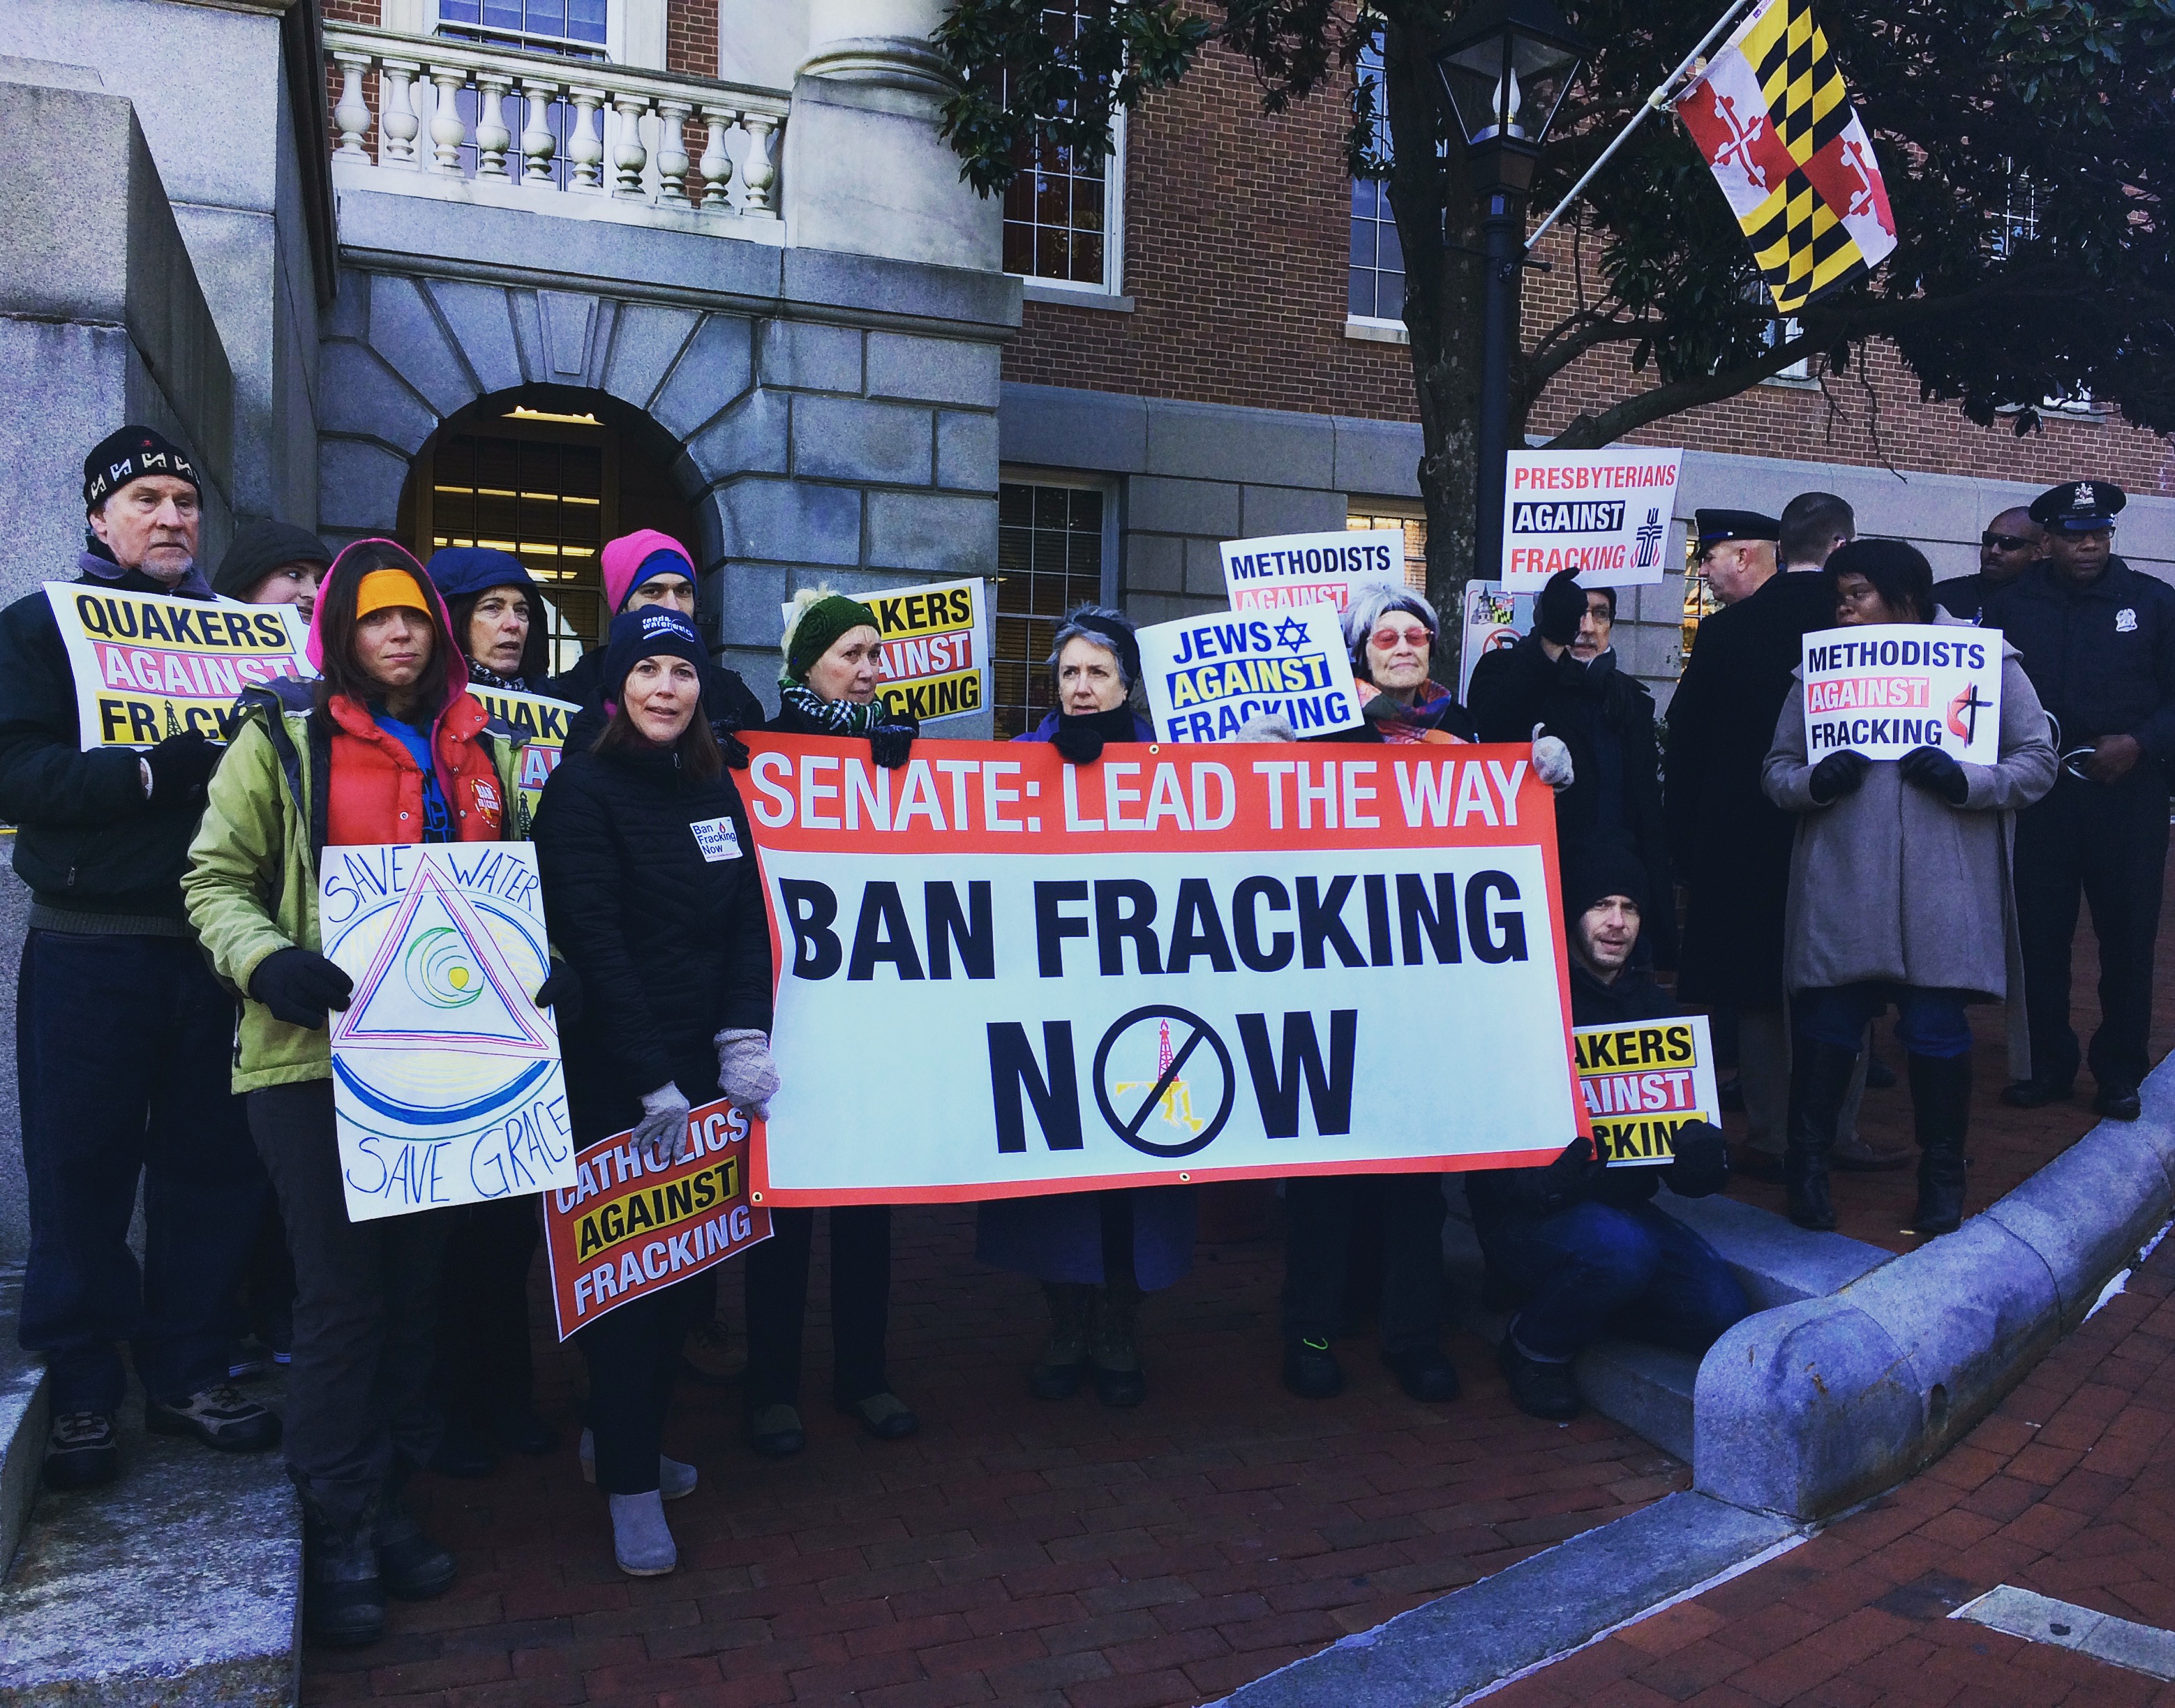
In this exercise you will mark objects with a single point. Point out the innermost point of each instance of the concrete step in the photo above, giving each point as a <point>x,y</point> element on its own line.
<point>1647,1389</point>
<point>179,1585</point>
<point>24,1417</point>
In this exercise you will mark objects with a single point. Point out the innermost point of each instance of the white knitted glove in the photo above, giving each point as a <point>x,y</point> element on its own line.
<point>1551,761</point>
<point>746,1073</point>
<point>662,1131</point>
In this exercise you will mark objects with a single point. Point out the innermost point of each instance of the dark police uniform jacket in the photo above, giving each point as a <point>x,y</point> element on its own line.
<point>1731,845</point>
<point>2102,657</point>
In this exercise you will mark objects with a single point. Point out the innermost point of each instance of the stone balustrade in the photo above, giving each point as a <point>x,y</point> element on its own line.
<point>468,120</point>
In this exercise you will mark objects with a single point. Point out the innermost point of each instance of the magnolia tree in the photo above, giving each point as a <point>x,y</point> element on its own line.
<point>2027,145</point>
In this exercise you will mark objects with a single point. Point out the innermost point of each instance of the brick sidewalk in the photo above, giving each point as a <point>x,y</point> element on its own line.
<point>2067,1489</point>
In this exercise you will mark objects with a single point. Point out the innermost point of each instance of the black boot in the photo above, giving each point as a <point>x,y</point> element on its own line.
<point>343,1598</point>
<point>1819,1080</point>
<point>1117,1378</point>
<point>409,1565</point>
<point>1056,1374</point>
<point>1940,1099</point>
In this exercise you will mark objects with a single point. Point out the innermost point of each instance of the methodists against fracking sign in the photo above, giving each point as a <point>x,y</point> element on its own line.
<point>1603,514</point>
<point>148,665</point>
<point>1207,675</point>
<point>1288,570</point>
<point>446,1079</point>
<point>1882,689</point>
<point>1168,965</point>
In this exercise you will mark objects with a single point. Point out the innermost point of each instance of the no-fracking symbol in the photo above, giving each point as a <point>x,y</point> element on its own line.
<point>1170,1104</point>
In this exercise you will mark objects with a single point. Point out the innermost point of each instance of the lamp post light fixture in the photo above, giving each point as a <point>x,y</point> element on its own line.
<point>1505,70</point>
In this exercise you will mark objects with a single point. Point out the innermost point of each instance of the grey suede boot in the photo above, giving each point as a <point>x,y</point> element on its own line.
<point>642,1542</point>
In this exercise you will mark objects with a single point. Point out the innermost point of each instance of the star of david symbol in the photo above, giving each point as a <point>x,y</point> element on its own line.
<point>1291,634</point>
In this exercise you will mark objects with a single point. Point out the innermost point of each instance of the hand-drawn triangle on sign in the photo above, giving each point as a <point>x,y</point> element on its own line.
<point>440,980</point>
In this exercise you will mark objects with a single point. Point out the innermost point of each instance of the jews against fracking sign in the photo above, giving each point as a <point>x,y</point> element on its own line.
<point>148,665</point>
<point>935,648</point>
<point>1642,1080</point>
<point>1207,675</point>
<point>1883,689</point>
<point>1283,571</point>
<point>1601,514</point>
<point>544,721</point>
<point>445,1080</point>
<point>1172,965</point>
<point>627,1228</point>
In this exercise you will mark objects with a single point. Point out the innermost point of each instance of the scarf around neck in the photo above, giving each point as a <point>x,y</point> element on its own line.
<point>831,717</point>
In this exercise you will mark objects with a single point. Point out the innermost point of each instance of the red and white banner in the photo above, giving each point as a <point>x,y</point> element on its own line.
<point>999,974</point>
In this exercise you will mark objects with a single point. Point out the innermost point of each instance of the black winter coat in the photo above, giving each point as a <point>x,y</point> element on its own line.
<point>1606,719</point>
<point>672,947</point>
<point>2102,657</point>
<point>1730,843</point>
<point>1499,1195</point>
<point>789,721</point>
<point>86,839</point>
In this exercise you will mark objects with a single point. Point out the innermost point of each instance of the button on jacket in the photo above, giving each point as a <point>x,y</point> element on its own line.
<point>2102,657</point>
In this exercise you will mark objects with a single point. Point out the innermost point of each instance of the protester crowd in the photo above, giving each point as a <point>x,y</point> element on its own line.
<point>175,895</point>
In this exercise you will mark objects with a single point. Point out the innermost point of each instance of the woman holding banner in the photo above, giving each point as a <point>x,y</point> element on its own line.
<point>388,747</point>
<point>486,1376</point>
<point>653,893</point>
<point>827,687</point>
<point>1093,1252</point>
<point>1900,892</point>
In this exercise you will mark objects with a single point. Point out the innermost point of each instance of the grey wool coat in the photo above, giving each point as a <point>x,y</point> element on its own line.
<point>1892,883</point>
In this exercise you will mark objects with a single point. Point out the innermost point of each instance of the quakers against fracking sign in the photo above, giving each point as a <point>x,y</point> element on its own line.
<point>1603,514</point>
<point>1176,964</point>
<point>1207,675</point>
<point>1642,1080</point>
<point>935,653</point>
<point>1882,689</point>
<point>148,665</point>
<point>544,721</point>
<point>446,1086</point>
<point>1280,571</point>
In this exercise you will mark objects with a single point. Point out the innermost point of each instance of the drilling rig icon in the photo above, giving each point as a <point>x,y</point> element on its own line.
<point>1175,1105</point>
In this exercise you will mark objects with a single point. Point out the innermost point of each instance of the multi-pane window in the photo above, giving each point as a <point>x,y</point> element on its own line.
<point>1378,257</point>
<point>574,27</point>
<point>1413,528</point>
<point>1049,559</point>
<point>1057,211</point>
<point>541,500</point>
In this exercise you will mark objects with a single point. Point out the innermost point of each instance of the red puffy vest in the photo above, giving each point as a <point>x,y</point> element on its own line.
<point>376,794</point>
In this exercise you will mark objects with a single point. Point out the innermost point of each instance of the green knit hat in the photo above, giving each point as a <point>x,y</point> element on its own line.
<point>814,628</point>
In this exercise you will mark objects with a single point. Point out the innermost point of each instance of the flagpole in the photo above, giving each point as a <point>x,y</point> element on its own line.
<point>1653,103</point>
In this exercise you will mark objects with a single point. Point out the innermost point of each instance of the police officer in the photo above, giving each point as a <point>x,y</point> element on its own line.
<point>2098,641</point>
<point>2010,545</point>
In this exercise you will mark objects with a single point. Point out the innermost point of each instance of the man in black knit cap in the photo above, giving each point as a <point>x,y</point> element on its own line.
<point>123,1034</point>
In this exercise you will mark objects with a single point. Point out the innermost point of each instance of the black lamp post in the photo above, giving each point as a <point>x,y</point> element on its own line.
<point>1506,69</point>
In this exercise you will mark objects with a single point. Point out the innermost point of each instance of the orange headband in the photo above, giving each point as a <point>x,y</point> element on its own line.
<point>385,590</point>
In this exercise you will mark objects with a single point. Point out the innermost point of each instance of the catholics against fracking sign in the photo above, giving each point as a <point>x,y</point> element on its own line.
<point>1285,571</point>
<point>544,721</point>
<point>148,665</point>
<point>1603,514</point>
<point>1882,689</point>
<point>627,1228</point>
<point>1166,966</point>
<point>445,1080</point>
<point>1207,675</point>
<point>1642,1081</point>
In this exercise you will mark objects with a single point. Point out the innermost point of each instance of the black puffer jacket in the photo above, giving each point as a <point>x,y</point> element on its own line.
<point>672,946</point>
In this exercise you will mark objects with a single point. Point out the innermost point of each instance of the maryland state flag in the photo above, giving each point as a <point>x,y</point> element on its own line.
<point>1772,117</point>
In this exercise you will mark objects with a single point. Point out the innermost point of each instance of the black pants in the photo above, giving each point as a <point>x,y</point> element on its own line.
<point>359,1402</point>
<point>633,1355</point>
<point>124,1047</point>
<point>486,1366</point>
<point>1320,1211</point>
<point>2107,841</point>
<point>861,1303</point>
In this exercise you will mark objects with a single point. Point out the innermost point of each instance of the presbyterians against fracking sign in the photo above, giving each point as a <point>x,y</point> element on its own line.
<point>1603,514</point>
<point>148,665</point>
<point>1207,675</point>
<point>999,974</point>
<point>446,1081</point>
<point>1882,689</point>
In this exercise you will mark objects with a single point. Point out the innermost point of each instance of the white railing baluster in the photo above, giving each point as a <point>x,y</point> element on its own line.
<point>493,137</point>
<point>672,162</point>
<point>717,164</point>
<point>761,173</point>
<point>352,115</point>
<point>538,145</point>
<point>399,124</point>
<point>631,155</point>
<point>448,132</point>
<point>585,143</point>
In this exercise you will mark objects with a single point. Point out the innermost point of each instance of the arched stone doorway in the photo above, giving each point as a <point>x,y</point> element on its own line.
<point>549,473</point>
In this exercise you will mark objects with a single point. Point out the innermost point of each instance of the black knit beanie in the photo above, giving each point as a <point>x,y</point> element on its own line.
<point>650,633</point>
<point>130,454</point>
<point>263,547</point>
<point>1603,866</point>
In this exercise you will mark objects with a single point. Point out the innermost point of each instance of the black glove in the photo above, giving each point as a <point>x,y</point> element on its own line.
<point>298,985</point>
<point>1077,741</point>
<point>1565,1179</point>
<point>1936,772</point>
<point>180,766</point>
<point>1701,1167</point>
<point>890,743</point>
<point>1838,775</point>
<point>561,993</point>
<point>730,747</point>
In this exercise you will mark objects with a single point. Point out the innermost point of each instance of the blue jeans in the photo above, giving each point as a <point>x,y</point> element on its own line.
<point>124,1049</point>
<point>1598,1269</point>
<point>1928,1021</point>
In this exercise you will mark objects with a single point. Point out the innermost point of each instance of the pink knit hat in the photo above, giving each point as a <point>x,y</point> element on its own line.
<point>626,558</point>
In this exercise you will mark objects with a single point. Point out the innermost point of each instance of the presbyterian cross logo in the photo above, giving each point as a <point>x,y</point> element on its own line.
<point>1649,535</point>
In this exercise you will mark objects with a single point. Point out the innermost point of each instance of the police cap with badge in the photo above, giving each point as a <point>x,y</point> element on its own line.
<point>2079,506</point>
<point>1713,527</point>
